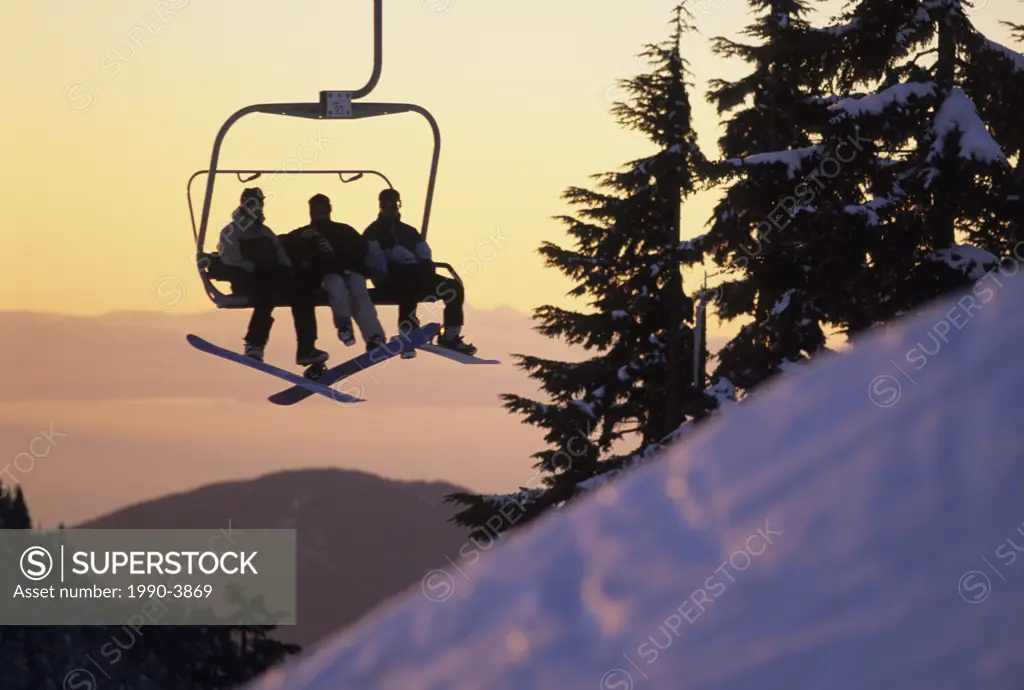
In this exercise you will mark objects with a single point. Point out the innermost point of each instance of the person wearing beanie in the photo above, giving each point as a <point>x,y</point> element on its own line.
<point>261,270</point>
<point>332,255</point>
<point>401,267</point>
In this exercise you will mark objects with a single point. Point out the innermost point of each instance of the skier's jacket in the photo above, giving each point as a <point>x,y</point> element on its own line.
<point>391,243</point>
<point>248,244</point>
<point>327,247</point>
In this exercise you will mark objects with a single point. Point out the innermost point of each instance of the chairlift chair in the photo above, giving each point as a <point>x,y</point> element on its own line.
<point>333,105</point>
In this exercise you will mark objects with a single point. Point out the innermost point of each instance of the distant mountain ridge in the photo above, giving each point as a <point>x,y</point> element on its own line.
<point>147,415</point>
<point>362,538</point>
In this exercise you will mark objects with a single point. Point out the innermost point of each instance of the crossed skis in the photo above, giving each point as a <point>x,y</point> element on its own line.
<point>303,387</point>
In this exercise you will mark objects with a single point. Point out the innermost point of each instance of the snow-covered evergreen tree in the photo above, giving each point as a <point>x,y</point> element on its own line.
<point>771,231</point>
<point>1002,64</point>
<point>626,261</point>
<point>936,205</point>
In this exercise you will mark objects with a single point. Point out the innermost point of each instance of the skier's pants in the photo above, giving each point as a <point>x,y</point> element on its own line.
<point>348,297</point>
<point>408,286</point>
<point>265,288</point>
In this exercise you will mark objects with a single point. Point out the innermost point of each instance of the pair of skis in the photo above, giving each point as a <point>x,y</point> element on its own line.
<point>318,381</point>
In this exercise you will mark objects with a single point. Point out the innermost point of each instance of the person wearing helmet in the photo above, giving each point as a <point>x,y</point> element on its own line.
<point>333,255</point>
<point>401,266</point>
<point>263,271</point>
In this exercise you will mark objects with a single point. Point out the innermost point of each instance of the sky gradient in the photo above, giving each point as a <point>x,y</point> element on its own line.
<point>118,103</point>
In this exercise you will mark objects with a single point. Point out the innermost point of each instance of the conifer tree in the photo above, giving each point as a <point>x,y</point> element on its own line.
<point>626,262</point>
<point>771,232</point>
<point>935,206</point>
<point>1003,107</point>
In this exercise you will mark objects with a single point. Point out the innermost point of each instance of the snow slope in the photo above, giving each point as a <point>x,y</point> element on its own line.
<point>855,527</point>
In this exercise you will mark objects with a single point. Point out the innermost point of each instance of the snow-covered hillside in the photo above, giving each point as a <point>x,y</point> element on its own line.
<point>855,527</point>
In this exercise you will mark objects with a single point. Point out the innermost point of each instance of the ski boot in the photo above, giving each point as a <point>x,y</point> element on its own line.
<point>346,334</point>
<point>414,324</point>
<point>453,341</point>
<point>313,359</point>
<point>254,352</point>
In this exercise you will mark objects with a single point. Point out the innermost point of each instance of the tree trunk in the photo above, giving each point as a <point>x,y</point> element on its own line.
<point>942,220</point>
<point>674,413</point>
<point>700,361</point>
<point>772,87</point>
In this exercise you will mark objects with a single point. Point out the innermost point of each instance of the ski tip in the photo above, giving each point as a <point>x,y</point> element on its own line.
<point>456,356</point>
<point>284,400</point>
<point>339,396</point>
<point>197,342</point>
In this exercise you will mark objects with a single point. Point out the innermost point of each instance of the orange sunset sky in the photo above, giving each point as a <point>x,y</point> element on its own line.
<point>111,106</point>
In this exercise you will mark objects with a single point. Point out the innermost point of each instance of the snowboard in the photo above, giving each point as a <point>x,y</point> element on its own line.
<point>307,385</point>
<point>456,356</point>
<point>414,339</point>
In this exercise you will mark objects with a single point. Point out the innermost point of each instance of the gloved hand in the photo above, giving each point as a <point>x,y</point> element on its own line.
<point>323,246</point>
<point>400,254</point>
